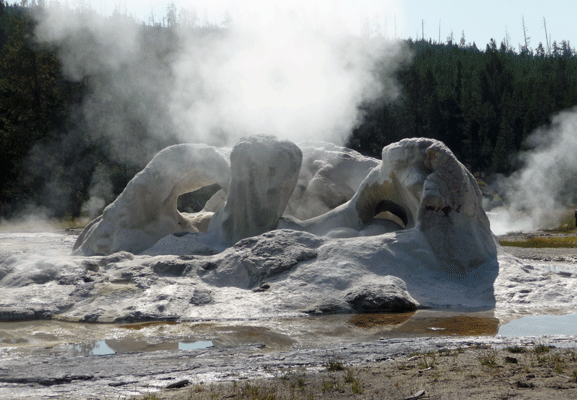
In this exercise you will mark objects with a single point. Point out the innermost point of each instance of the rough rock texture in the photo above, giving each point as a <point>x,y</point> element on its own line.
<point>264,174</point>
<point>330,176</point>
<point>380,295</point>
<point>146,209</point>
<point>414,233</point>
<point>423,185</point>
<point>450,212</point>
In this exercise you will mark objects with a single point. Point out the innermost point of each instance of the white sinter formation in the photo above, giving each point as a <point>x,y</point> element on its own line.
<point>311,228</point>
<point>146,210</point>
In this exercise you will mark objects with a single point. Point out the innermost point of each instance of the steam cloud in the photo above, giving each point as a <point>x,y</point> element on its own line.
<point>539,192</point>
<point>149,87</point>
<point>284,76</point>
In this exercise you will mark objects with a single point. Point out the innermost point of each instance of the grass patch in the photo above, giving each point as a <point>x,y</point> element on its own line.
<point>516,349</point>
<point>351,379</point>
<point>541,349</point>
<point>330,386</point>
<point>558,368</point>
<point>489,359</point>
<point>256,392</point>
<point>334,365</point>
<point>150,396</point>
<point>543,242</point>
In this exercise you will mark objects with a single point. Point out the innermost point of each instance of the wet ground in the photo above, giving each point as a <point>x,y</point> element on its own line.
<point>47,359</point>
<point>55,359</point>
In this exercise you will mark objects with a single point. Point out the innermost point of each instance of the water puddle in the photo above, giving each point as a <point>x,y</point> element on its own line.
<point>111,346</point>
<point>64,339</point>
<point>429,323</point>
<point>537,325</point>
<point>201,344</point>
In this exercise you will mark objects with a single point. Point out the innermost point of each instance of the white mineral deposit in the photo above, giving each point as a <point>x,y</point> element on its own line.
<point>308,229</point>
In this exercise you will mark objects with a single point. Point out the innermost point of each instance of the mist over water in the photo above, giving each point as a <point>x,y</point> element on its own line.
<point>546,185</point>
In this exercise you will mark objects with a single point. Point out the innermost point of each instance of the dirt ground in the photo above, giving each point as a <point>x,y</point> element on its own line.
<point>472,373</point>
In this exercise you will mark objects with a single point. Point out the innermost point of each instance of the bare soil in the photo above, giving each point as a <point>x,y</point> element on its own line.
<point>471,373</point>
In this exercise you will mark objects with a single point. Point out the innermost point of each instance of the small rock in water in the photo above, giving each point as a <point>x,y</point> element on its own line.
<point>433,328</point>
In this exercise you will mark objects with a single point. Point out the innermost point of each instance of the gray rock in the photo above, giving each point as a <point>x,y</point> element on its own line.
<point>373,298</point>
<point>201,297</point>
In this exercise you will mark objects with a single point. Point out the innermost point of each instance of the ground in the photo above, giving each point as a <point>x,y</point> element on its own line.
<point>476,372</point>
<point>528,372</point>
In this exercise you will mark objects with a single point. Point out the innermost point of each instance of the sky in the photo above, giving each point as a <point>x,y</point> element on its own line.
<point>480,20</point>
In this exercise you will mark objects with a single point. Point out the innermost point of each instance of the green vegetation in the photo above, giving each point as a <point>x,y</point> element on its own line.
<point>516,349</point>
<point>541,242</point>
<point>489,359</point>
<point>334,365</point>
<point>541,349</point>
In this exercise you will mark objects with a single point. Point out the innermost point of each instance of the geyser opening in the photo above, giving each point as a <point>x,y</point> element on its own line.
<point>390,210</point>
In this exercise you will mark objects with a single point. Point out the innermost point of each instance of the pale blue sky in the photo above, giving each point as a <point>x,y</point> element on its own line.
<point>480,20</point>
<point>486,19</point>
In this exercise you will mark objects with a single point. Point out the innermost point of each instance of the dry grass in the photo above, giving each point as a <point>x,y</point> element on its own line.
<point>542,242</point>
<point>535,372</point>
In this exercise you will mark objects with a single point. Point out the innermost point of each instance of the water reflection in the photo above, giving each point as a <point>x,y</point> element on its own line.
<point>201,344</point>
<point>54,337</point>
<point>429,323</point>
<point>373,320</point>
<point>84,349</point>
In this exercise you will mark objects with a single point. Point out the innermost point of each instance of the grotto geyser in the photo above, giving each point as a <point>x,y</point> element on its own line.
<point>311,228</point>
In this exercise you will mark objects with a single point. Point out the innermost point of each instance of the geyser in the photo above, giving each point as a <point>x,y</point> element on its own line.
<point>311,228</point>
<point>419,182</point>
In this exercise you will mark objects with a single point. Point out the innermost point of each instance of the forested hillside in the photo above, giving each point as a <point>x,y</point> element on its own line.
<point>483,103</point>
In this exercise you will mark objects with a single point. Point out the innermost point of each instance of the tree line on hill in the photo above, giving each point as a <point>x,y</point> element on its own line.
<point>482,103</point>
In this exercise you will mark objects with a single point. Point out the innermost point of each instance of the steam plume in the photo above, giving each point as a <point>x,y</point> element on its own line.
<point>546,185</point>
<point>283,76</point>
<point>150,87</point>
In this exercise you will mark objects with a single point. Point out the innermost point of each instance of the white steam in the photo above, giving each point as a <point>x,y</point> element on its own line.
<point>287,75</point>
<point>100,193</point>
<point>295,83</point>
<point>539,192</point>
<point>282,75</point>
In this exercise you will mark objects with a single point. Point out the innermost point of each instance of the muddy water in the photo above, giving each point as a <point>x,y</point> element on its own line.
<point>75,339</point>
<point>63,339</point>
